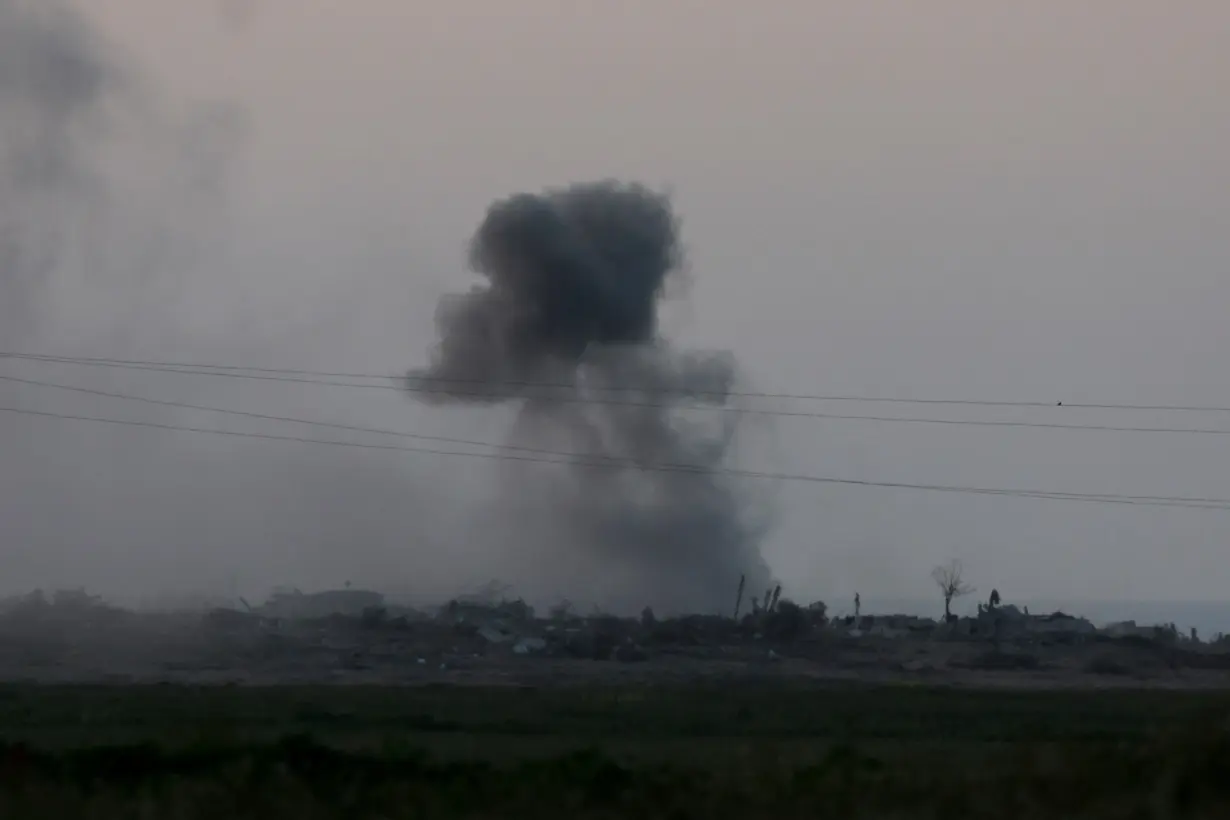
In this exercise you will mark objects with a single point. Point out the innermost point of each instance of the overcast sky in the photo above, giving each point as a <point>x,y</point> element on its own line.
<point>959,200</point>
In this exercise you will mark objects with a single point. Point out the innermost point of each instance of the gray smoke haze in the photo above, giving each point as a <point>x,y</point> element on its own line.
<point>101,182</point>
<point>113,222</point>
<point>54,78</point>
<point>1012,248</point>
<point>108,193</point>
<point>567,324</point>
<point>237,15</point>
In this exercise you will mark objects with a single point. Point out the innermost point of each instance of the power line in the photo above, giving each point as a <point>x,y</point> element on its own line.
<point>288,419</point>
<point>585,400</point>
<point>1142,500</point>
<point>207,370</point>
<point>382,431</point>
<point>227,370</point>
<point>387,432</point>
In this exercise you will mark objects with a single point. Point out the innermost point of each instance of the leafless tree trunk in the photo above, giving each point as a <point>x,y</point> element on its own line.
<point>948,577</point>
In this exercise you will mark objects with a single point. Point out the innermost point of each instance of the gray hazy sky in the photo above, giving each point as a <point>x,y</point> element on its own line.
<point>1022,201</point>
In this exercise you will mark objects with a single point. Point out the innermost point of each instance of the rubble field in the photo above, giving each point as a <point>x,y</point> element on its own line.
<point>354,636</point>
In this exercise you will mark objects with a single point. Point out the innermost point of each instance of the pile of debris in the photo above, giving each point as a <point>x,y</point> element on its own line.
<point>513,624</point>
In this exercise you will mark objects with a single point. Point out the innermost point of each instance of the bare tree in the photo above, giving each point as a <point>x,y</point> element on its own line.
<point>948,577</point>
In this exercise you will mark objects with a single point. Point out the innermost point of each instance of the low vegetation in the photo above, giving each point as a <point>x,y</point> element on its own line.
<point>603,752</point>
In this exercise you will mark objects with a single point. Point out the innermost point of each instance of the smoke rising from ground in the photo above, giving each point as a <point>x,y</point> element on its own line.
<point>113,238</point>
<point>111,244</point>
<point>575,277</point>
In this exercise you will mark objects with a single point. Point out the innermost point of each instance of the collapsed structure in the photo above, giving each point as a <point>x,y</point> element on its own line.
<point>360,636</point>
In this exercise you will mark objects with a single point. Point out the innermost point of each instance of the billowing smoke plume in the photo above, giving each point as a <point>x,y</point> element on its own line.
<point>567,325</point>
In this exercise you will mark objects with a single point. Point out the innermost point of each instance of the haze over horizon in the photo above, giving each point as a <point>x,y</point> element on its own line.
<point>952,202</point>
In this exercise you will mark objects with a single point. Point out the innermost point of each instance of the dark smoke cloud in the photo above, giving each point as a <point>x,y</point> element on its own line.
<point>574,280</point>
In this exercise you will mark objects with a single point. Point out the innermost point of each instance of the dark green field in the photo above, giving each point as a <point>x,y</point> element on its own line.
<point>743,751</point>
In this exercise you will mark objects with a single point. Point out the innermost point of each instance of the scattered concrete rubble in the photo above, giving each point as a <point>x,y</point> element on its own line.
<point>351,633</point>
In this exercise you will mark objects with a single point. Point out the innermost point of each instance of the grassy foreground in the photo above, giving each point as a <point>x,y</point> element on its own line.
<point>750,751</point>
